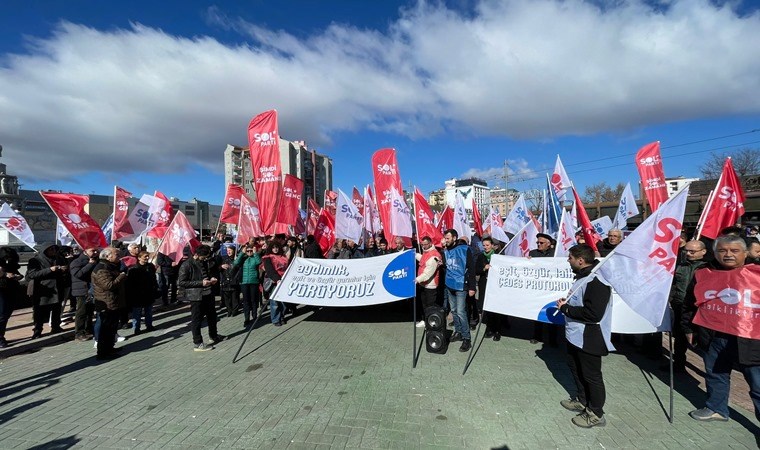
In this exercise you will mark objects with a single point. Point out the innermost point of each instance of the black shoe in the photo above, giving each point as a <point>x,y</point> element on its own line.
<point>465,346</point>
<point>535,341</point>
<point>457,336</point>
<point>489,334</point>
<point>37,335</point>
<point>150,328</point>
<point>3,343</point>
<point>496,337</point>
<point>136,332</point>
<point>56,330</point>
<point>277,324</point>
<point>247,323</point>
<point>218,338</point>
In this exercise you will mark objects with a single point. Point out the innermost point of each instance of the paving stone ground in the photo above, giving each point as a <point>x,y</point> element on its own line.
<point>338,378</point>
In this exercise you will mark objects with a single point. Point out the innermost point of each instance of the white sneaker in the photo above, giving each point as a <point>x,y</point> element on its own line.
<point>120,338</point>
<point>420,324</point>
<point>96,344</point>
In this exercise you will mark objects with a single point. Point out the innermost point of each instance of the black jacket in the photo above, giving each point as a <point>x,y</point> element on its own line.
<point>81,270</point>
<point>191,275</point>
<point>229,279</point>
<point>682,277</point>
<point>596,297</point>
<point>312,250</point>
<point>47,285</point>
<point>605,247</point>
<point>142,286</point>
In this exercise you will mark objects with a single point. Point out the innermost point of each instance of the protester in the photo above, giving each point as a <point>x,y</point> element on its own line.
<point>274,263</point>
<point>66,255</point>
<point>166,273</point>
<point>109,291</point>
<point>753,251</point>
<point>292,249</point>
<point>492,320</point>
<point>229,280</point>
<point>194,277</point>
<point>614,237</point>
<point>460,282</point>
<point>382,247</point>
<point>46,272</point>
<point>312,249</point>
<point>545,249</point>
<point>587,329</point>
<point>370,248</point>
<point>81,271</point>
<point>248,264</point>
<point>10,289</point>
<point>723,351</point>
<point>142,290</point>
<point>427,275</point>
<point>399,246</point>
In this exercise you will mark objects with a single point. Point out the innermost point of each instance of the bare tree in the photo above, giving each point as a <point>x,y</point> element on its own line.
<point>602,192</point>
<point>745,161</point>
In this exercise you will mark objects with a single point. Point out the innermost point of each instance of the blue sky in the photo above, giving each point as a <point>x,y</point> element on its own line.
<point>147,94</point>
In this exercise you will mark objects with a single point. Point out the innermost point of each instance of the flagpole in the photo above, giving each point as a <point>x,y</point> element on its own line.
<point>163,238</point>
<point>113,224</point>
<point>708,206</point>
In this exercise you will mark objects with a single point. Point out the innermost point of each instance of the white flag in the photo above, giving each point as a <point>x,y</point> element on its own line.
<point>401,220</point>
<point>371,214</point>
<point>626,209</point>
<point>348,222</point>
<point>602,226</point>
<point>565,235</point>
<point>523,242</point>
<point>461,224</point>
<point>142,217</point>
<point>560,180</point>
<point>16,225</point>
<point>494,226</point>
<point>641,267</point>
<point>62,234</point>
<point>518,217</point>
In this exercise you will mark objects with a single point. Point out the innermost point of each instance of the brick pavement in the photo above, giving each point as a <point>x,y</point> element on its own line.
<point>337,379</point>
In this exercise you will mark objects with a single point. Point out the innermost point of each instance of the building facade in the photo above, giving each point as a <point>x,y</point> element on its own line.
<point>503,200</point>
<point>296,159</point>
<point>474,191</point>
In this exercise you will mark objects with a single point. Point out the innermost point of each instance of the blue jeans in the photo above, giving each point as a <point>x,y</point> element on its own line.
<point>719,360</point>
<point>458,303</point>
<point>136,312</point>
<point>96,327</point>
<point>276,311</point>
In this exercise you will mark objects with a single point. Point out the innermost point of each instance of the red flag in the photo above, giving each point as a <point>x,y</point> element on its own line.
<point>180,234</point>
<point>250,220</point>
<point>300,228</point>
<point>589,232</point>
<point>121,226</point>
<point>727,300</point>
<point>325,232</point>
<point>69,208</point>
<point>231,208</point>
<point>264,143</point>
<point>163,217</point>
<point>290,204</point>
<point>652,175</point>
<point>331,202</point>
<point>424,219</point>
<point>387,176</point>
<point>727,204</point>
<point>312,216</point>
<point>358,200</point>
<point>476,221</point>
<point>446,220</point>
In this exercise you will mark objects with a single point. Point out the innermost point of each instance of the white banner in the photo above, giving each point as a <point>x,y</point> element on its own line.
<point>348,282</point>
<point>529,288</point>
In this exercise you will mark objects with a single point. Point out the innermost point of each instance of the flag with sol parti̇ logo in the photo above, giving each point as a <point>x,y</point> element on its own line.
<point>162,213</point>
<point>264,144</point>
<point>249,225</point>
<point>726,205</point>
<point>290,203</point>
<point>348,222</point>
<point>348,282</point>
<point>16,225</point>
<point>424,219</point>
<point>231,208</point>
<point>69,208</point>
<point>649,163</point>
<point>387,176</point>
<point>727,300</point>
<point>324,234</point>
<point>121,225</point>
<point>179,235</point>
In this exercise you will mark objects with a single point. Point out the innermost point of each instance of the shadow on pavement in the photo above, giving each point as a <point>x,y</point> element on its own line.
<point>56,444</point>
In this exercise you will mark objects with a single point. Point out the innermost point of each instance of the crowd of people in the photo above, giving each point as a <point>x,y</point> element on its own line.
<point>115,288</point>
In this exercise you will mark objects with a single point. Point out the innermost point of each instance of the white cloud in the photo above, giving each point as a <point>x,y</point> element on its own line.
<point>517,170</point>
<point>141,99</point>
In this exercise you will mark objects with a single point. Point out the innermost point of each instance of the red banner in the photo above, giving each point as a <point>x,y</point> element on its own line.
<point>358,201</point>
<point>385,169</point>
<point>121,226</point>
<point>312,216</point>
<point>649,163</point>
<point>231,208</point>
<point>476,220</point>
<point>727,204</point>
<point>163,218</point>
<point>728,300</point>
<point>250,220</point>
<point>446,221</point>
<point>69,208</point>
<point>331,202</point>
<point>290,204</point>
<point>325,232</point>
<point>589,232</point>
<point>180,234</point>
<point>423,217</point>
<point>264,143</point>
